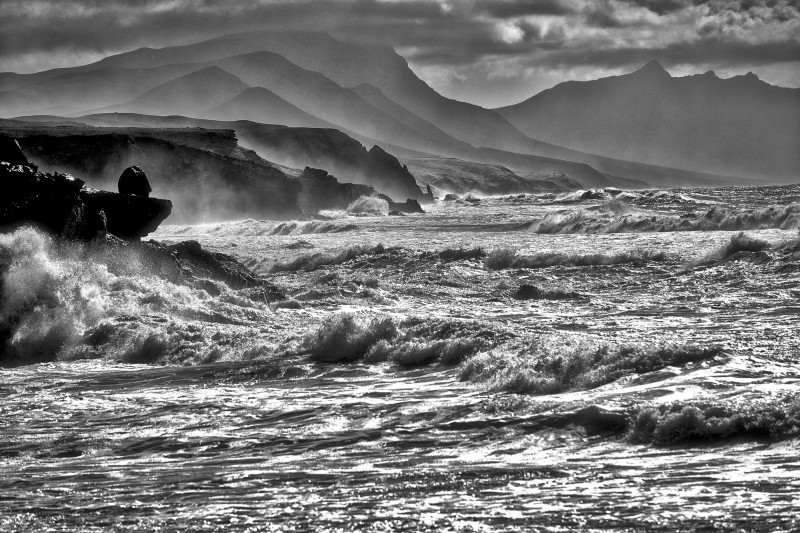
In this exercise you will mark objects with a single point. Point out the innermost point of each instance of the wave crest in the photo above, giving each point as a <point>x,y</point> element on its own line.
<point>612,218</point>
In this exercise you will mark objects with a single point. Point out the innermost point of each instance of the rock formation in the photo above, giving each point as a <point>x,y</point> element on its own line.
<point>187,166</point>
<point>323,191</point>
<point>62,205</point>
<point>409,206</point>
<point>11,153</point>
<point>133,181</point>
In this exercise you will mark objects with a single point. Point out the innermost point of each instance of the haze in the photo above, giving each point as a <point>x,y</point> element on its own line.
<point>488,52</point>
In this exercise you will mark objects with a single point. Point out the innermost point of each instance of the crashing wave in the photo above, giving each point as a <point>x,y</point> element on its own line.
<point>502,258</point>
<point>368,205</point>
<point>310,227</point>
<point>410,342</point>
<point>554,367</point>
<point>611,218</point>
<point>63,301</point>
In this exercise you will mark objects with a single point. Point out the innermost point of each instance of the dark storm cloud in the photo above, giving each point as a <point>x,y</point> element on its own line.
<point>709,52</point>
<point>511,8</point>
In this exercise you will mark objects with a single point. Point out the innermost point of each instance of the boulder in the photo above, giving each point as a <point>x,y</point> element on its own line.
<point>133,182</point>
<point>11,153</point>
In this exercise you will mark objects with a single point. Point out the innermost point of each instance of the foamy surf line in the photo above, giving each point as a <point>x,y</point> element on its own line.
<point>616,218</point>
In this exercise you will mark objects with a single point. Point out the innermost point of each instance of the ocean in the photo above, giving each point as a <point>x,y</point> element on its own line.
<point>602,360</point>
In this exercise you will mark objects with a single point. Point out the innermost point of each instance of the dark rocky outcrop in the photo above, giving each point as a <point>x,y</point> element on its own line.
<point>335,151</point>
<point>387,174</point>
<point>129,217</point>
<point>323,191</point>
<point>133,181</point>
<point>409,206</point>
<point>63,206</point>
<point>11,153</point>
<point>205,172</point>
<point>428,197</point>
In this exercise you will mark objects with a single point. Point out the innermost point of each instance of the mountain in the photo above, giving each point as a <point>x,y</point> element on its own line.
<point>739,126</point>
<point>368,93</point>
<point>377,98</point>
<point>450,124</point>
<point>321,97</point>
<point>73,90</point>
<point>262,105</point>
<point>348,65</point>
<point>191,94</point>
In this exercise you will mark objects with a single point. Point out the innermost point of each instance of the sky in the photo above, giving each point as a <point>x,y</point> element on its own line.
<point>489,52</point>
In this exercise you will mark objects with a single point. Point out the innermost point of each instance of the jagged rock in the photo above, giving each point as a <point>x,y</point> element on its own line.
<point>396,214</point>
<point>451,197</point>
<point>409,206</point>
<point>387,174</point>
<point>50,200</point>
<point>133,181</point>
<point>428,197</point>
<point>323,191</point>
<point>11,153</point>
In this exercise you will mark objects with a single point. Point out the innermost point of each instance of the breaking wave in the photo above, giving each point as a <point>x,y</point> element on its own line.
<point>321,259</point>
<point>368,205</point>
<point>559,365</point>
<point>414,341</point>
<point>66,301</point>
<point>305,228</point>
<point>616,218</point>
<point>502,258</point>
<point>680,423</point>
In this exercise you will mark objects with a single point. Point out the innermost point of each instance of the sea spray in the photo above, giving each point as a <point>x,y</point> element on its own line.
<point>368,205</point>
<point>47,302</point>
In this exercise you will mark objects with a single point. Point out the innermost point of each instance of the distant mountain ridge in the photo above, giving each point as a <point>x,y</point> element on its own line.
<point>739,126</point>
<point>312,80</point>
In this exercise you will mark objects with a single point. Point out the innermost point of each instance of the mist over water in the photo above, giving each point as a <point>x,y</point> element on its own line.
<point>603,360</point>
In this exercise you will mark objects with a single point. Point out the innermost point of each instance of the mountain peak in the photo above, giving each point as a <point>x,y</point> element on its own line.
<point>653,69</point>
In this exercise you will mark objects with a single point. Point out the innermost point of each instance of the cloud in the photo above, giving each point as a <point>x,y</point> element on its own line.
<point>521,8</point>
<point>458,40</point>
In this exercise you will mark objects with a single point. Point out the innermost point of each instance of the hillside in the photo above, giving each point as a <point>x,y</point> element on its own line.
<point>191,94</point>
<point>739,126</point>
